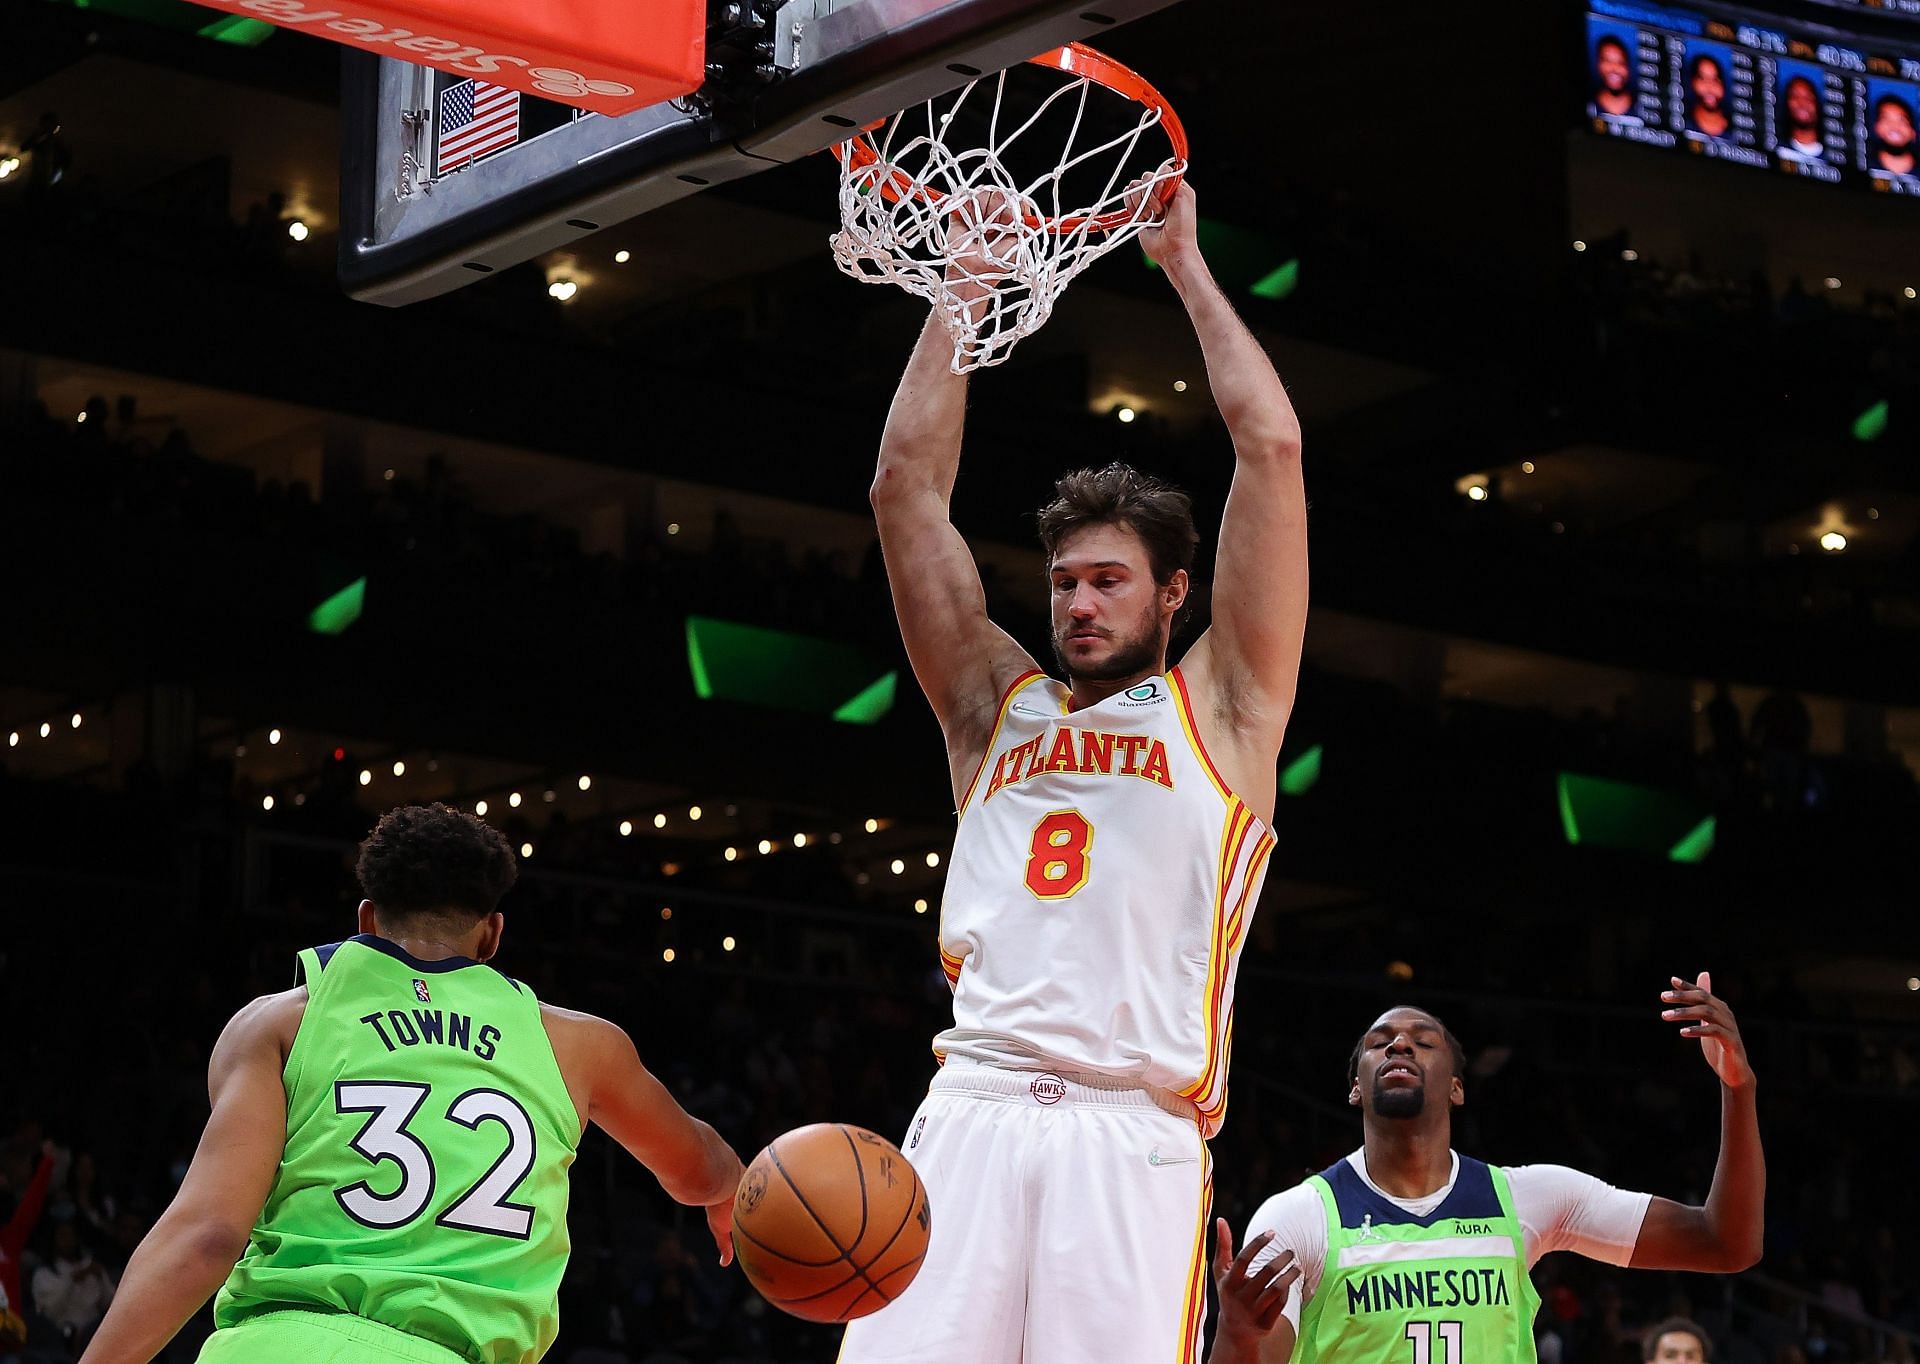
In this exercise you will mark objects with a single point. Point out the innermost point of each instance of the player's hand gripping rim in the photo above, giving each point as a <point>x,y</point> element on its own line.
<point>1704,1015</point>
<point>1251,1301</point>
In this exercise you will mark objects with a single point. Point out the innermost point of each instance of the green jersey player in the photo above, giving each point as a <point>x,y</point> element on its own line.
<point>1406,1252</point>
<point>384,1176</point>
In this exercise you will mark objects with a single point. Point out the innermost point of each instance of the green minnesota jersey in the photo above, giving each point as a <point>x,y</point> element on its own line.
<point>424,1184</point>
<point>1447,1288</point>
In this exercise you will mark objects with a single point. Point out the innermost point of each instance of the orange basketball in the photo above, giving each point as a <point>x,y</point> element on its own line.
<point>830,1222</point>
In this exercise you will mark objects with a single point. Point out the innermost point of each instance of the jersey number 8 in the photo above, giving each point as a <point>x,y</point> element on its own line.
<point>392,1105</point>
<point>1060,857</point>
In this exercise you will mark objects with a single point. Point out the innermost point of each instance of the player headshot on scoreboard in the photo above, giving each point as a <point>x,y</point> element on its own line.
<point>1890,130</point>
<point>1613,95</point>
<point>1707,77</point>
<point>1796,113</point>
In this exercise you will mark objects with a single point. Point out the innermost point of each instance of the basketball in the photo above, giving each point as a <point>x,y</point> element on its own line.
<point>831,1222</point>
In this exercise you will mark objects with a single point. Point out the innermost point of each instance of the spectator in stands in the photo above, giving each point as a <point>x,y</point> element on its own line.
<point>264,238</point>
<point>1677,1341</point>
<point>13,1239</point>
<point>1782,735</point>
<point>49,158</point>
<point>72,1290</point>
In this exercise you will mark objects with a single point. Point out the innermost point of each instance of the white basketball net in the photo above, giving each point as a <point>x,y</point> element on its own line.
<point>951,225</point>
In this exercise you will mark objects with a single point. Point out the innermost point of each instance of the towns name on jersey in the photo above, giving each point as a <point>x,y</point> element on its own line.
<point>1086,751</point>
<point>1390,1290</point>
<point>402,1028</point>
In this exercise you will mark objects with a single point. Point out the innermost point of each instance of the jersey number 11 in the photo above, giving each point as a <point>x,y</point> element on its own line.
<point>1421,1334</point>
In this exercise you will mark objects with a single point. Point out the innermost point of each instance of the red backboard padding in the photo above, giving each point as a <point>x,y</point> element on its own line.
<point>609,56</point>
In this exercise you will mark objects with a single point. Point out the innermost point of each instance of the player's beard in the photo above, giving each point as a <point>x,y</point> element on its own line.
<point>1131,657</point>
<point>1398,1103</point>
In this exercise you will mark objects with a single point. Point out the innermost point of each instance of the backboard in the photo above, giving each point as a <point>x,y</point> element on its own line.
<point>446,179</point>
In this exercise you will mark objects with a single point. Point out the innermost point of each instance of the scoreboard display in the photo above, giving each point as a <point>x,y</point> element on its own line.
<point>1898,9</point>
<point>1729,84</point>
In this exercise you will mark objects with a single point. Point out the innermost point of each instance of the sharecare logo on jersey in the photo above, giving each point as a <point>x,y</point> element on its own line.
<point>1085,751</point>
<point>1048,1089</point>
<point>454,54</point>
<point>1143,695</point>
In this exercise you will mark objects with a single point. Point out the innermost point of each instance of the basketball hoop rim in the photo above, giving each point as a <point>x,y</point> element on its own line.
<point>1080,61</point>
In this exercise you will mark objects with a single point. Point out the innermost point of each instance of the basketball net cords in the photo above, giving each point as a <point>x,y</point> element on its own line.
<point>905,229</point>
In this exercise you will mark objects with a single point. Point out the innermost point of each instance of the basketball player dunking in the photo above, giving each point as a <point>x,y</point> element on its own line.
<point>388,1151</point>
<point>1111,846</point>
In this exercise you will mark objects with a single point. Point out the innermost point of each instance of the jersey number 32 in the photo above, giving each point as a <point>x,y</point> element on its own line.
<point>391,1106</point>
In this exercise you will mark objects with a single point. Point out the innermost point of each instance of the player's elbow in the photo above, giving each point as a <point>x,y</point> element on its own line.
<point>1265,444</point>
<point>1742,1254</point>
<point>1729,1254</point>
<point>210,1241</point>
<point>894,481</point>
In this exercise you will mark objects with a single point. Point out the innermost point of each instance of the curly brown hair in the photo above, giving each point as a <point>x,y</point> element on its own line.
<point>432,859</point>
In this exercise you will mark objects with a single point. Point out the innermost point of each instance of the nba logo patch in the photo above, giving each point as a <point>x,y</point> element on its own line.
<point>420,990</point>
<point>918,1128</point>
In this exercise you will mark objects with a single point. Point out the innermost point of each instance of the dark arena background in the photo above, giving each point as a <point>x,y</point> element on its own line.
<point>1613,670</point>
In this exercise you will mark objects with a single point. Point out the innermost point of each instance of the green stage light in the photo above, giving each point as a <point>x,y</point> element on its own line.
<point>340,610</point>
<point>1301,775</point>
<point>1597,812</point>
<point>238,31</point>
<point>871,705</point>
<point>1696,845</point>
<point>1871,424</point>
<point>1279,283</point>
<point>728,661</point>
<point>182,17</point>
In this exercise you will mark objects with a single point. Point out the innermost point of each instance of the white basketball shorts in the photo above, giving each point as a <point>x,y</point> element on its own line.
<point>1069,1226</point>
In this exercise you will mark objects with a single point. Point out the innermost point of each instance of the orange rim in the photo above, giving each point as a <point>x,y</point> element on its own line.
<point>1081,62</point>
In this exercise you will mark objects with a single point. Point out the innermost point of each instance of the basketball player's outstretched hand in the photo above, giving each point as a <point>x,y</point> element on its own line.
<point>720,1223</point>
<point>1250,1301</point>
<point>1703,1015</point>
<point>1176,230</point>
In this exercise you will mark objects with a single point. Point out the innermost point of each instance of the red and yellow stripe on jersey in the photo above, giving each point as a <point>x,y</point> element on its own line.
<point>1245,845</point>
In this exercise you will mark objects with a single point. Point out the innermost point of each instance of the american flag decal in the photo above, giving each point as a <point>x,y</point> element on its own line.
<point>475,118</point>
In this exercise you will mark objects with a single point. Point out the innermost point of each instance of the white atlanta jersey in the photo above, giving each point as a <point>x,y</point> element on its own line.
<point>1102,881</point>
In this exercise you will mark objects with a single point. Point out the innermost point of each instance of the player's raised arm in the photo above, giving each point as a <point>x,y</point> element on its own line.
<point>1725,1235</point>
<point>962,659</point>
<point>693,1163</point>
<point>204,1231</point>
<point>1249,659</point>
